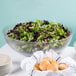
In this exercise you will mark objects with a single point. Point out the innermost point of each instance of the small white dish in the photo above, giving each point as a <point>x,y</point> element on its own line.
<point>5,64</point>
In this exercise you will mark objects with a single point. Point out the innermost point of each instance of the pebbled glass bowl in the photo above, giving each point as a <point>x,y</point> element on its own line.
<point>28,48</point>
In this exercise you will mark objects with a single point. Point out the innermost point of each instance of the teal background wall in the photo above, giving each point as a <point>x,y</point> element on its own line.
<point>15,11</point>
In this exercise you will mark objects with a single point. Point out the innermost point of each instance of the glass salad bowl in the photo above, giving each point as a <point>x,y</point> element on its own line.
<point>28,48</point>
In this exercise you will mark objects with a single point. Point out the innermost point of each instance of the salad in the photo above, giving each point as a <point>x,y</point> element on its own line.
<point>39,31</point>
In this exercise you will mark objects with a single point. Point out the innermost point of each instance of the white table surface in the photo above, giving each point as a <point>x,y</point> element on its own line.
<point>16,58</point>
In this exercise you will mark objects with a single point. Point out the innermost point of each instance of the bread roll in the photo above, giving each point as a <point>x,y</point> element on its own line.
<point>36,66</point>
<point>62,66</point>
<point>43,65</point>
<point>53,67</point>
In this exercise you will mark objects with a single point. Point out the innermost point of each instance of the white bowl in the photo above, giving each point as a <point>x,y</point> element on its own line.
<point>5,64</point>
